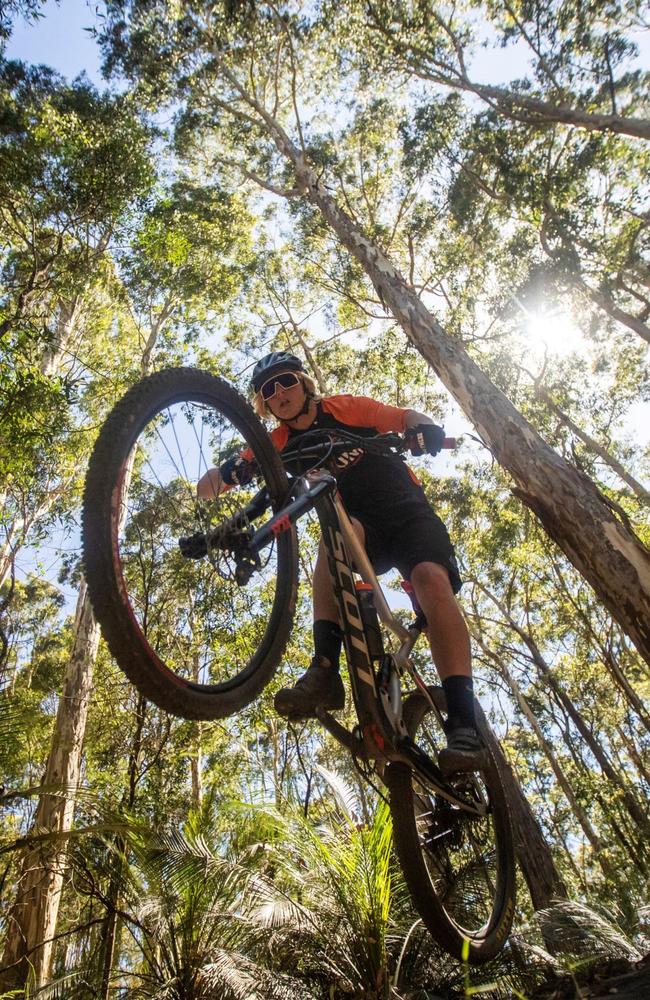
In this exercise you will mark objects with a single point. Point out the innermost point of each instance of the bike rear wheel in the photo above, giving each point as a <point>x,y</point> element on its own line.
<point>460,869</point>
<point>184,632</point>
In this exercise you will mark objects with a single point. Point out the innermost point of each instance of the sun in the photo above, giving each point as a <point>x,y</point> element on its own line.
<point>552,332</point>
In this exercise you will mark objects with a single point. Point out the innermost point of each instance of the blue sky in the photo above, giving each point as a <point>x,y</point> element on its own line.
<point>59,39</point>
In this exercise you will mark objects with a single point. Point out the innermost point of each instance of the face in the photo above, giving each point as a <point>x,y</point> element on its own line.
<point>286,401</point>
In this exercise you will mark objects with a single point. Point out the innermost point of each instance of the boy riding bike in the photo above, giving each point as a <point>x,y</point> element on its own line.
<point>397,526</point>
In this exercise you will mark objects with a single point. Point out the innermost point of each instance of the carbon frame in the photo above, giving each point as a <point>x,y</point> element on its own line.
<point>338,538</point>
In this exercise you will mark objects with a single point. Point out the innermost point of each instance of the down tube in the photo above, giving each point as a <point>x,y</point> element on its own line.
<point>362,679</point>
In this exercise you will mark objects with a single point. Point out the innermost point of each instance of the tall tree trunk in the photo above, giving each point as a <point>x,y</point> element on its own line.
<point>110,936</point>
<point>567,502</point>
<point>196,756</point>
<point>609,660</point>
<point>66,323</point>
<point>607,304</point>
<point>111,930</point>
<point>18,526</point>
<point>32,921</point>
<point>524,107</point>
<point>562,780</point>
<point>597,449</point>
<point>633,752</point>
<point>533,852</point>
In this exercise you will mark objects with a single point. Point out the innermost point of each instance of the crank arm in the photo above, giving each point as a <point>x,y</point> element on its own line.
<point>344,736</point>
<point>411,754</point>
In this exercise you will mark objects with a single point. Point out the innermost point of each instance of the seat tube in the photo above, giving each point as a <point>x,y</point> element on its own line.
<point>366,571</point>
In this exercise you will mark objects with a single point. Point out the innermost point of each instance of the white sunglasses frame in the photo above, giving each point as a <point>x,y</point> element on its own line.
<point>274,378</point>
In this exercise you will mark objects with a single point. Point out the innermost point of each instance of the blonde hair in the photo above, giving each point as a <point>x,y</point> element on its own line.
<point>261,406</point>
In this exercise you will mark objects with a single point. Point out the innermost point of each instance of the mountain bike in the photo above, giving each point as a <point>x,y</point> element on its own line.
<point>199,625</point>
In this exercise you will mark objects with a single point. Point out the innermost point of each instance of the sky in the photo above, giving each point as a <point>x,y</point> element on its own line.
<point>60,39</point>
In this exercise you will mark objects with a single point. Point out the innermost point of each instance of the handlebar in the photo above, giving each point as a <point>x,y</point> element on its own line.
<point>317,446</point>
<point>322,443</point>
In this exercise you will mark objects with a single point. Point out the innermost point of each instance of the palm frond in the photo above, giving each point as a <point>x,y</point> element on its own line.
<point>70,986</point>
<point>233,976</point>
<point>275,909</point>
<point>572,928</point>
<point>343,793</point>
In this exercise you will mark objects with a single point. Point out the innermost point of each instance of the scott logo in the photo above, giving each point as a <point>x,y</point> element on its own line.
<point>349,458</point>
<point>350,605</point>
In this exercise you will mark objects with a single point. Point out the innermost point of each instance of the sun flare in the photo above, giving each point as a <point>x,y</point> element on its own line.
<point>553,332</point>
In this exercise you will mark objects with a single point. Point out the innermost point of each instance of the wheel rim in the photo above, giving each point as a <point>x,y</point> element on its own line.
<point>461,852</point>
<point>191,619</point>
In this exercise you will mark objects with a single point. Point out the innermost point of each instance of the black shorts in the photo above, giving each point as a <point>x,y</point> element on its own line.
<point>410,533</point>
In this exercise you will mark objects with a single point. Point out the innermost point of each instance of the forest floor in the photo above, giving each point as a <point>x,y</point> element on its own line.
<point>615,978</point>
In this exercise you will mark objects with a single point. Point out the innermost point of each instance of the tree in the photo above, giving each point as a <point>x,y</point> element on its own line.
<point>567,503</point>
<point>580,72</point>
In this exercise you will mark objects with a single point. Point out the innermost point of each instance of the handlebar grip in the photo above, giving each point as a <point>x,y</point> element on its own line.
<point>450,443</point>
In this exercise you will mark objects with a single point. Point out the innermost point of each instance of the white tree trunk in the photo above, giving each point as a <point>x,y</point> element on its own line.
<point>66,324</point>
<point>562,780</point>
<point>32,922</point>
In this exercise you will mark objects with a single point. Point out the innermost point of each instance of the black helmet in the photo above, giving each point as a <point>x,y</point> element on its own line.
<point>277,361</point>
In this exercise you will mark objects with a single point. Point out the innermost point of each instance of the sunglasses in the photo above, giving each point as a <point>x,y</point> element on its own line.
<point>286,380</point>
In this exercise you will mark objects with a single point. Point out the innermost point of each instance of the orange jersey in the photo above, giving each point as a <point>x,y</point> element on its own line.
<point>348,411</point>
<point>363,479</point>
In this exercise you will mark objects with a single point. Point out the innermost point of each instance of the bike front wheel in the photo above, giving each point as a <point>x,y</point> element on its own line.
<point>460,868</point>
<point>184,631</point>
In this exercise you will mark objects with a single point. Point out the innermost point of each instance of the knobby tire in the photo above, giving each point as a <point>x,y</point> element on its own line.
<point>475,944</point>
<point>124,635</point>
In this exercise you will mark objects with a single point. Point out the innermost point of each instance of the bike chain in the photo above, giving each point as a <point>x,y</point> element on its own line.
<point>365,774</point>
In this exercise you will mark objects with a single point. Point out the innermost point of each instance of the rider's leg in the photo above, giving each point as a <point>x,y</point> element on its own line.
<point>321,685</point>
<point>450,649</point>
<point>448,633</point>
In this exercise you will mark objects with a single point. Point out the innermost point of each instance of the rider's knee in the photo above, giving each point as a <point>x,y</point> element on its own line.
<point>431,579</point>
<point>358,529</point>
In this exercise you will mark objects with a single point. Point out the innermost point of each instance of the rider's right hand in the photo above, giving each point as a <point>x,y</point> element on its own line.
<point>425,439</point>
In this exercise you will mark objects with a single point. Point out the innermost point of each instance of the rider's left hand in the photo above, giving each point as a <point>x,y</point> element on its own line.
<point>193,546</point>
<point>237,471</point>
<point>424,439</point>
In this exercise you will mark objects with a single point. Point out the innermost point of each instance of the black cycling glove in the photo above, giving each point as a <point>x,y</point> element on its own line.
<point>424,439</point>
<point>237,471</point>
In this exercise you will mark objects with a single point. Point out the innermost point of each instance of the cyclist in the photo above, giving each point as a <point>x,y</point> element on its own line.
<point>391,515</point>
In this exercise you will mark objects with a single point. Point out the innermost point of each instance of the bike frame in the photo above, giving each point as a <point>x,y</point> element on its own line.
<point>381,735</point>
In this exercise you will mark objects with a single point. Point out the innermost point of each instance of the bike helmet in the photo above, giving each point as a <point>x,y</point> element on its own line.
<point>276,361</point>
